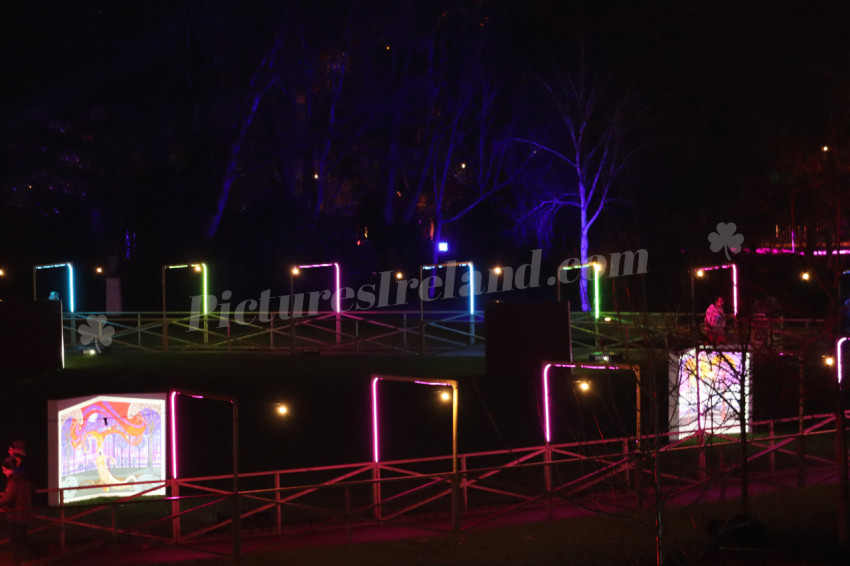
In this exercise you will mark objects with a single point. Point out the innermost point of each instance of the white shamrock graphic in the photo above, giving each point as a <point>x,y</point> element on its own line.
<point>726,239</point>
<point>96,329</point>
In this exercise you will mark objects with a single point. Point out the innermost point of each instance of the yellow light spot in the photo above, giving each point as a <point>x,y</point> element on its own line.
<point>584,385</point>
<point>445,396</point>
<point>282,409</point>
<point>295,271</point>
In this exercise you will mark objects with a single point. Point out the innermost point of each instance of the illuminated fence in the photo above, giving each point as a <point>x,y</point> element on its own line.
<point>402,332</point>
<point>340,504</point>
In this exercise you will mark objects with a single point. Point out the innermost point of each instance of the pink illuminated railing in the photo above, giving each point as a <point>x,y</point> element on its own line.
<point>338,504</point>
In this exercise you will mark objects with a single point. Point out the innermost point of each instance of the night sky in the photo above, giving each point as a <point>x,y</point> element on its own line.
<point>334,127</point>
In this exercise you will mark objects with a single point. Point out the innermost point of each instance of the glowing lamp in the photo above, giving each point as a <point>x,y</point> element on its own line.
<point>282,409</point>
<point>829,361</point>
<point>399,275</point>
<point>2,273</point>
<point>497,270</point>
<point>445,396</point>
<point>584,386</point>
<point>805,276</point>
<point>443,247</point>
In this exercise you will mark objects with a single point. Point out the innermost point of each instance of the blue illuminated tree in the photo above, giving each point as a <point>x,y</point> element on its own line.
<point>585,135</point>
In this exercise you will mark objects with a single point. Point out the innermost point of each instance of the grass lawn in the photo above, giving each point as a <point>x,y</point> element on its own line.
<point>795,527</point>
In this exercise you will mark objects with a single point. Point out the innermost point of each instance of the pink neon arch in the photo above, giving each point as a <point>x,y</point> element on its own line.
<point>734,269</point>
<point>439,383</point>
<point>337,306</point>
<point>547,431</point>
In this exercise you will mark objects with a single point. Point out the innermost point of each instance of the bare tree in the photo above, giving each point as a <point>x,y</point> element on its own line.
<point>588,138</point>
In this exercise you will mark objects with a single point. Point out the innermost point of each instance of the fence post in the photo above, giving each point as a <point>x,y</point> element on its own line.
<point>347,514</point>
<point>771,444</point>
<point>175,511</point>
<point>228,335</point>
<point>404,329</point>
<point>278,511</point>
<point>271,333</point>
<point>376,491</point>
<point>547,479</point>
<point>464,483</point>
<point>62,519</point>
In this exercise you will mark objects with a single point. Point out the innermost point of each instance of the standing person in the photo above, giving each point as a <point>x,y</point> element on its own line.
<point>16,504</point>
<point>715,322</point>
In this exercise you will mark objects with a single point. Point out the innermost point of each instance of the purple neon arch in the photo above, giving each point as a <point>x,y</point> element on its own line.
<point>838,358</point>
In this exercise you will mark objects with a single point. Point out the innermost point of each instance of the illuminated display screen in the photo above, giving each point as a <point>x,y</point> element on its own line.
<point>107,445</point>
<point>709,391</point>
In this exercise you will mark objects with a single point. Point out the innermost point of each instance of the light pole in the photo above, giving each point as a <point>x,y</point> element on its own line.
<point>198,268</point>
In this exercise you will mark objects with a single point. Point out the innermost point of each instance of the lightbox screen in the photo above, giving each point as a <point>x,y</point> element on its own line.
<point>110,441</point>
<point>709,391</point>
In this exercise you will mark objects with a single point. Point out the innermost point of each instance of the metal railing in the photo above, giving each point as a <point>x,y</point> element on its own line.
<point>405,332</point>
<point>331,504</point>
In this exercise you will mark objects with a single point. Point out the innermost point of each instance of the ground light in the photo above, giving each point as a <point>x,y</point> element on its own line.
<point>35,269</point>
<point>596,274</point>
<point>701,271</point>
<point>584,386</point>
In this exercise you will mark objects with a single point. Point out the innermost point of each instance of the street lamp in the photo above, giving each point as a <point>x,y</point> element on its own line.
<point>197,268</point>
<point>376,443</point>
